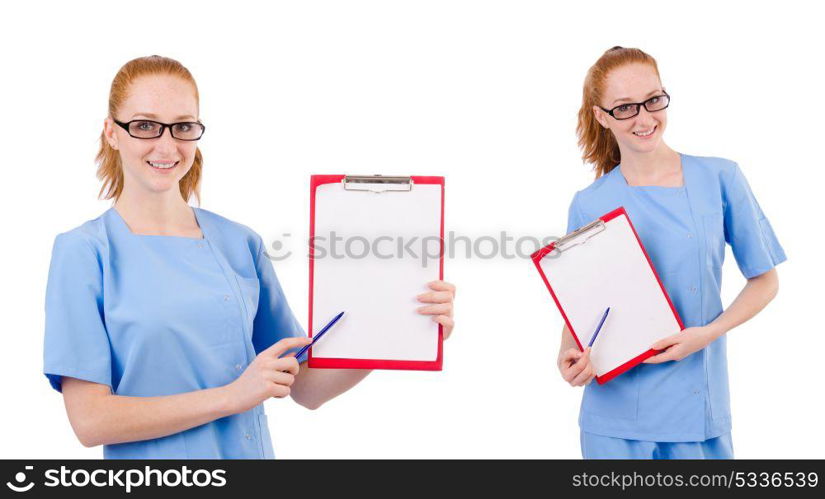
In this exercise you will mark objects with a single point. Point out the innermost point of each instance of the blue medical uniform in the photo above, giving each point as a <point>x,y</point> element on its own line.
<point>601,447</point>
<point>684,230</point>
<point>161,315</point>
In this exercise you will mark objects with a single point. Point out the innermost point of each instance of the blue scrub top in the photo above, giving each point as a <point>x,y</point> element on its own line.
<point>684,230</point>
<point>161,315</point>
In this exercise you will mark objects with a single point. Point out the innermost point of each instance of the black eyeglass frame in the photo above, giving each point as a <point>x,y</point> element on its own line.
<point>638,106</point>
<point>163,127</point>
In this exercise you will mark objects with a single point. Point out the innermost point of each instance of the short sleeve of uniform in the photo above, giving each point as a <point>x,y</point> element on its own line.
<point>747,230</point>
<point>274,320</point>
<point>575,217</point>
<point>76,343</point>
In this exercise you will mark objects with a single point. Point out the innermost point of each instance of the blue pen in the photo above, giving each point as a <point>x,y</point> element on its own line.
<point>598,328</point>
<point>320,333</point>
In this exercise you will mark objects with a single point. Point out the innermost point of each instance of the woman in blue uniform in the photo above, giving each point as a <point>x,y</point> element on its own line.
<point>685,209</point>
<point>166,327</point>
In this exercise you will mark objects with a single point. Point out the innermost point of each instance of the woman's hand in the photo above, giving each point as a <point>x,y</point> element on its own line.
<point>575,366</point>
<point>441,309</point>
<point>680,345</point>
<point>269,375</point>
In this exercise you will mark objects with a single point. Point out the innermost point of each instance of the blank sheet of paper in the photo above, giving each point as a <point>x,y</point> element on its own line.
<point>387,249</point>
<point>611,270</point>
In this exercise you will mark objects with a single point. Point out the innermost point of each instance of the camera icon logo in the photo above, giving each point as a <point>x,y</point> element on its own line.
<point>20,477</point>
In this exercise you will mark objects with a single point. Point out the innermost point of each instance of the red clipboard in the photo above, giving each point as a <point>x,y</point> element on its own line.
<point>315,361</point>
<point>543,252</point>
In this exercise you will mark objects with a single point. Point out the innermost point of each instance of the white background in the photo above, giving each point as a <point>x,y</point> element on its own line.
<point>482,92</point>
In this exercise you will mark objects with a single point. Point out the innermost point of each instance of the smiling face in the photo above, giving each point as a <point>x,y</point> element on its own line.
<point>633,83</point>
<point>154,165</point>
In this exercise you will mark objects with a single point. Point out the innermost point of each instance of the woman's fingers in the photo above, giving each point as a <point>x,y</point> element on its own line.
<point>666,342</point>
<point>442,286</point>
<point>282,378</point>
<point>278,391</point>
<point>584,376</point>
<point>574,371</point>
<point>576,367</point>
<point>570,372</point>
<point>665,356</point>
<point>436,309</point>
<point>656,359</point>
<point>584,356</point>
<point>286,364</point>
<point>669,349</point>
<point>444,320</point>
<point>567,359</point>
<point>441,308</point>
<point>436,297</point>
<point>570,355</point>
<point>587,372</point>
<point>285,345</point>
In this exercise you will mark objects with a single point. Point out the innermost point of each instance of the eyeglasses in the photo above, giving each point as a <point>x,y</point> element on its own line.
<point>148,129</point>
<point>627,111</point>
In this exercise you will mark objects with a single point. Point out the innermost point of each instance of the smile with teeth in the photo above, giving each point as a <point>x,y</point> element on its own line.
<point>645,133</point>
<point>163,165</point>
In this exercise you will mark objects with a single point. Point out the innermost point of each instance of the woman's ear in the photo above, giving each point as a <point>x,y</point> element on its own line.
<point>109,133</point>
<point>600,116</point>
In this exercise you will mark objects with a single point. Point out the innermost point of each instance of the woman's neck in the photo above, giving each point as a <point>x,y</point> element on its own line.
<point>662,166</point>
<point>161,214</point>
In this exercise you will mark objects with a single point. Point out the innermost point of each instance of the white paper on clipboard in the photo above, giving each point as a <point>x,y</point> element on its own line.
<point>387,249</point>
<point>606,266</point>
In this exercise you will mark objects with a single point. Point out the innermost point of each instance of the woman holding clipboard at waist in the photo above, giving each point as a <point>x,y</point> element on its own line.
<point>684,209</point>
<point>166,326</point>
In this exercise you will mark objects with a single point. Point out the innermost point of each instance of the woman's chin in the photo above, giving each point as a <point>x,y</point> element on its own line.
<point>160,186</point>
<point>644,147</point>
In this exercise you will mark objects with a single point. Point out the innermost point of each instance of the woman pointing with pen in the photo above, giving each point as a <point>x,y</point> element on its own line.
<point>166,326</point>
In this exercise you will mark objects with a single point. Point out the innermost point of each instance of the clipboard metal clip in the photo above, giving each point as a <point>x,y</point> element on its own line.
<point>377,183</point>
<point>573,239</point>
